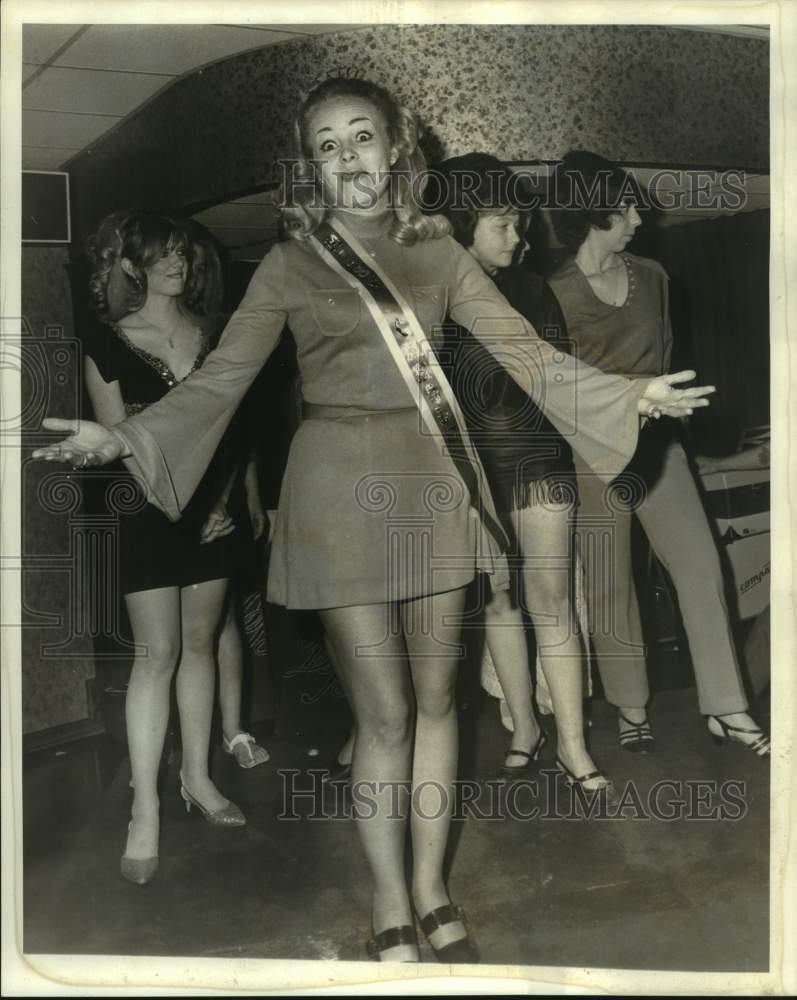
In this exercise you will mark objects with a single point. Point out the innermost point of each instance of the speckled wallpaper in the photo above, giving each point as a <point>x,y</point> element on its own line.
<point>57,654</point>
<point>640,94</point>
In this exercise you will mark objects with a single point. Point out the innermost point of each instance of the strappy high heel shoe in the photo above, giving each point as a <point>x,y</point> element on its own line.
<point>514,770</point>
<point>760,745</point>
<point>570,780</point>
<point>245,749</point>
<point>392,937</point>
<point>638,737</point>
<point>460,952</point>
<point>137,870</point>
<point>229,815</point>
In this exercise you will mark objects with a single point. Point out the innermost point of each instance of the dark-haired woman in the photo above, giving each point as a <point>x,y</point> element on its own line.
<point>529,467</point>
<point>616,308</point>
<point>173,584</point>
<point>380,527</point>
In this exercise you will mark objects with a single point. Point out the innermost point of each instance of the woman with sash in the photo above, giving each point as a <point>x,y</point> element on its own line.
<point>384,517</point>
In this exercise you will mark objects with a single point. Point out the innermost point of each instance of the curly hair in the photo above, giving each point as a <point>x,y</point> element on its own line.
<point>139,237</point>
<point>204,289</point>
<point>585,191</point>
<point>304,209</point>
<point>466,187</point>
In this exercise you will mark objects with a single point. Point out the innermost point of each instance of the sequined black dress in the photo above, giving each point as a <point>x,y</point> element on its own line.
<point>152,551</point>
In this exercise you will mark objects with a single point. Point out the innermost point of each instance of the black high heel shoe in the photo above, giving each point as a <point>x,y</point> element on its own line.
<point>460,952</point>
<point>760,745</point>
<point>392,937</point>
<point>607,789</point>
<point>515,770</point>
<point>638,738</point>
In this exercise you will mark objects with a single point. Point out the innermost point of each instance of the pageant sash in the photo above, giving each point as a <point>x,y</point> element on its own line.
<point>417,363</point>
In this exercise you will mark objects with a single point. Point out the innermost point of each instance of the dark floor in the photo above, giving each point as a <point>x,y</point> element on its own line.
<point>642,891</point>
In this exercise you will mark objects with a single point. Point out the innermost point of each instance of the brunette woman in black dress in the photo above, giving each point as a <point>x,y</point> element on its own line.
<point>173,576</point>
<point>529,467</point>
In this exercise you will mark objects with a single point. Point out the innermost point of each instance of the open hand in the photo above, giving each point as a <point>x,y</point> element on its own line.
<point>662,398</point>
<point>88,443</point>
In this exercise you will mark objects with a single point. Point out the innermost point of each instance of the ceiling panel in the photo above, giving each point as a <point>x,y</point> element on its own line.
<point>163,48</point>
<point>50,128</point>
<point>259,198</point>
<point>318,29</point>
<point>90,91</point>
<point>40,41</point>
<point>34,158</point>
<point>238,214</point>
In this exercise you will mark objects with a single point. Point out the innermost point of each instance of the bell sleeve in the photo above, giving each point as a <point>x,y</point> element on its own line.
<point>596,413</point>
<point>174,440</point>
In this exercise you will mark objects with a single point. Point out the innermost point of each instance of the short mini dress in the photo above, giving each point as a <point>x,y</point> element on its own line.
<point>525,458</point>
<point>371,508</point>
<point>152,551</point>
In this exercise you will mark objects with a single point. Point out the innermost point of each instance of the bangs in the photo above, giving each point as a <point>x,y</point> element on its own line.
<point>157,235</point>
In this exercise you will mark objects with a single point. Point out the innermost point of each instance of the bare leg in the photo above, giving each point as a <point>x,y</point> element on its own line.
<point>377,681</point>
<point>346,752</point>
<point>230,653</point>
<point>543,532</point>
<point>230,657</point>
<point>434,660</point>
<point>506,639</point>
<point>196,685</point>
<point>154,618</point>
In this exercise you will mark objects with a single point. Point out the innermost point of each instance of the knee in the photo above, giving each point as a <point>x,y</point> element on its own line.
<point>436,702</point>
<point>198,637</point>
<point>159,655</point>
<point>549,594</point>
<point>388,727</point>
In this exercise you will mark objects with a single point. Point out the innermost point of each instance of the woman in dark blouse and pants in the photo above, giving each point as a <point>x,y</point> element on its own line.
<point>616,308</point>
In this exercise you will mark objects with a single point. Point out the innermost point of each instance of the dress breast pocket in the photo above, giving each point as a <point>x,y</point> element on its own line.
<point>430,305</point>
<point>337,311</point>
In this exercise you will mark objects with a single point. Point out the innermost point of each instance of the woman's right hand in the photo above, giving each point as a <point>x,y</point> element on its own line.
<point>88,443</point>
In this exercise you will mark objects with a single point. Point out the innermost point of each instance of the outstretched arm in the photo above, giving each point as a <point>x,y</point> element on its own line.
<point>598,414</point>
<point>174,440</point>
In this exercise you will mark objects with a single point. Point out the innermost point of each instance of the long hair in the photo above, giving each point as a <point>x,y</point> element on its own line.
<point>585,191</point>
<point>140,237</point>
<point>204,288</point>
<point>304,208</point>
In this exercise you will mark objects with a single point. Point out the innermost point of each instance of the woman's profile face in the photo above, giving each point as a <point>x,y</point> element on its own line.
<point>168,274</point>
<point>350,141</point>
<point>623,226</point>
<point>495,239</point>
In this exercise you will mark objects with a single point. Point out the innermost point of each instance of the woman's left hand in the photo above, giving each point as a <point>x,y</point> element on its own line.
<point>662,399</point>
<point>218,524</point>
